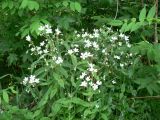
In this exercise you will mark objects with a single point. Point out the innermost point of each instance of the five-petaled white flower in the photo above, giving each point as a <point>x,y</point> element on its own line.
<point>83,84</point>
<point>57,31</point>
<point>83,75</point>
<point>28,38</point>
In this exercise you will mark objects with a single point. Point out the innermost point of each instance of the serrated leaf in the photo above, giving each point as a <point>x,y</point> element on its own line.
<point>77,6</point>
<point>5,96</point>
<point>142,15</point>
<point>151,13</point>
<point>24,4</point>
<point>12,58</point>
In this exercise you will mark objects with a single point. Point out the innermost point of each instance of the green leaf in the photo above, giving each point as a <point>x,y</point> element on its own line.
<point>4,4</point>
<point>72,6</point>
<point>24,4</point>
<point>142,15</point>
<point>10,4</point>
<point>115,23</point>
<point>136,26</point>
<point>74,60</point>
<point>123,28</point>
<point>12,58</point>
<point>81,102</point>
<point>77,6</point>
<point>151,13</point>
<point>58,79</point>
<point>129,26</point>
<point>104,116</point>
<point>5,96</point>
<point>65,3</point>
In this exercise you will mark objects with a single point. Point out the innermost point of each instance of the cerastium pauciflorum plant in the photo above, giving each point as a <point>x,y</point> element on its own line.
<point>79,76</point>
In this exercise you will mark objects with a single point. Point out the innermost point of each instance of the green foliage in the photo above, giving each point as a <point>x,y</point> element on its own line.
<point>57,88</point>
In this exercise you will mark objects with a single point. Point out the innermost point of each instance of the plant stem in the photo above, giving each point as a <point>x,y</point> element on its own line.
<point>155,26</point>
<point>146,97</point>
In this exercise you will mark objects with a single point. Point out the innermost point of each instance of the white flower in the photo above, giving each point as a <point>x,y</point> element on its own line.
<point>36,80</point>
<point>85,34</point>
<point>54,58</point>
<point>59,60</point>
<point>99,83</point>
<point>45,51</point>
<point>117,57</point>
<point>120,43</point>
<point>91,68</point>
<point>83,75</point>
<point>70,51</point>
<point>128,45</point>
<point>83,84</point>
<point>109,29</point>
<point>121,65</point>
<point>85,55</point>
<point>114,82</point>
<point>41,28</point>
<point>95,86</point>
<point>75,50</point>
<point>48,30</point>
<point>96,30</point>
<point>28,38</point>
<point>96,35</point>
<point>42,43</point>
<point>25,80</point>
<point>104,50</point>
<point>114,38</point>
<point>78,35</point>
<point>130,54</point>
<point>126,38</point>
<point>121,35</point>
<point>32,49</point>
<point>32,78</point>
<point>47,26</point>
<point>40,52</point>
<point>87,43</point>
<point>88,78</point>
<point>95,45</point>
<point>57,31</point>
<point>38,48</point>
<point>91,36</point>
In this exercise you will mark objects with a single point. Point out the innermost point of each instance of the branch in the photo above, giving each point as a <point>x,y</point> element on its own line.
<point>116,10</point>
<point>146,97</point>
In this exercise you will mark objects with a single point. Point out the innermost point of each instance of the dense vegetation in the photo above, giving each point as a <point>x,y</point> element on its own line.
<point>79,60</point>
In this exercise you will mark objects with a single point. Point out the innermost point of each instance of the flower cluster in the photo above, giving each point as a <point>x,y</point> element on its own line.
<point>32,80</point>
<point>101,48</point>
<point>88,78</point>
<point>73,50</point>
<point>46,49</point>
<point>46,29</point>
<point>88,81</point>
<point>40,49</point>
<point>58,60</point>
